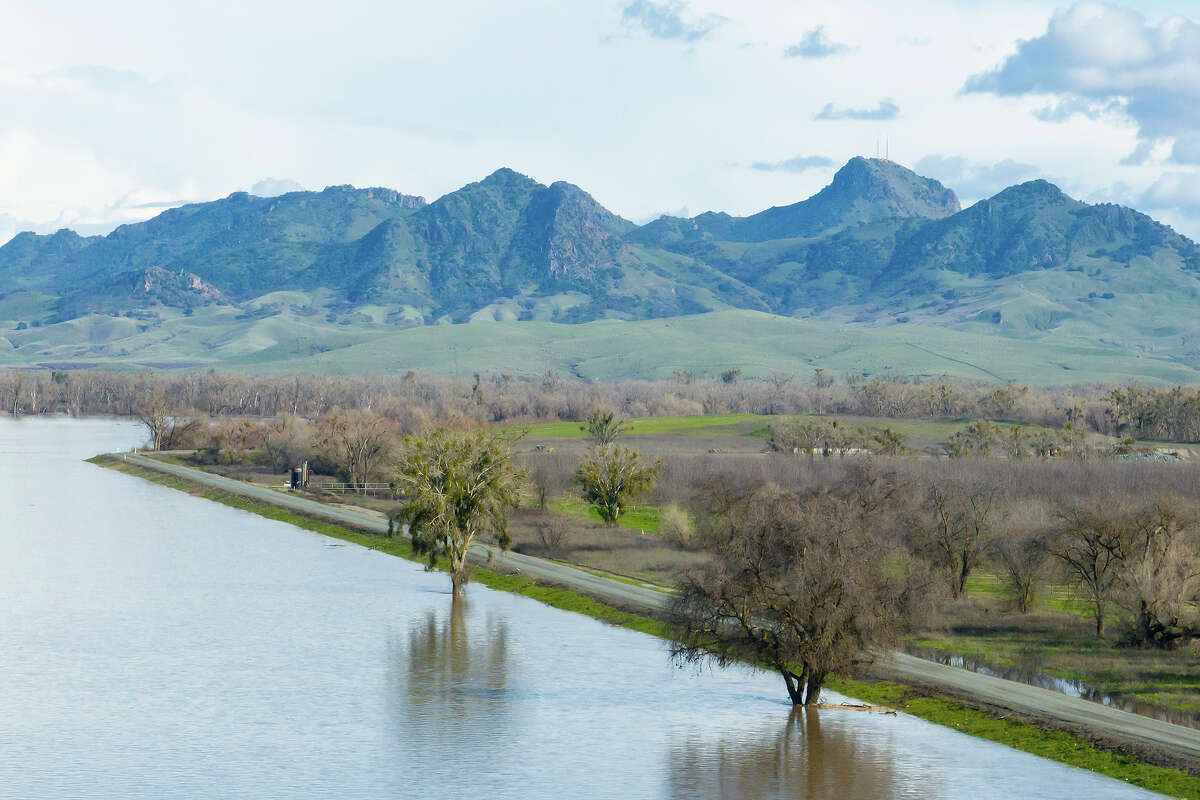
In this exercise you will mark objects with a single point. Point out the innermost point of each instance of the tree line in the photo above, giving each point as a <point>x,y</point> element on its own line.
<point>414,401</point>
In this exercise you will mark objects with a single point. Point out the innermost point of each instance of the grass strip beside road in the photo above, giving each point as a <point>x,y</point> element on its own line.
<point>1056,745</point>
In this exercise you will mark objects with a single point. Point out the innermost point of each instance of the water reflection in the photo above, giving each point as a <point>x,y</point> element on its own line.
<point>451,670</point>
<point>806,757</point>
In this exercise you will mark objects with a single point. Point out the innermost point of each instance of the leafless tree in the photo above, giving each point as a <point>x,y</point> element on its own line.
<point>802,582</point>
<point>955,529</point>
<point>359,440</point>
<point>1090,545</point>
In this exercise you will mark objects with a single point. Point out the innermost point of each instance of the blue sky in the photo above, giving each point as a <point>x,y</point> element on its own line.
<point>117,111</point>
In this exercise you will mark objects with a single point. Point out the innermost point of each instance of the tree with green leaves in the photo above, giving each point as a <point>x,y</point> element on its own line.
<point>457,486</point>
<point>611,476</point>
<point>604,426</point>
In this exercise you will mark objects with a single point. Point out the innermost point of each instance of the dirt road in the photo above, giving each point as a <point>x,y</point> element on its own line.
<point>1018,697</point>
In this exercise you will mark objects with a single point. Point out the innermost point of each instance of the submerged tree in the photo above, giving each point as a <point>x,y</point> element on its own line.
<point>457,486</point>
<point>612,476</point>
<point>806,584</point>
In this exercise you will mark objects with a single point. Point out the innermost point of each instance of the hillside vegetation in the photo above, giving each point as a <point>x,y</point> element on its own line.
<point>880,266</point>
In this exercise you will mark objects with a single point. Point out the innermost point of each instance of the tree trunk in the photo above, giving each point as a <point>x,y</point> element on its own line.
<point>795,686</point>
<point>459,573</point>
<point>1144,626</point>
<point>812,695</point>
<point>1099,619</point>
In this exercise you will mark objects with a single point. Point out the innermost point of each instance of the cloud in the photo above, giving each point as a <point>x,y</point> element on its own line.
<point>107,79</point>
<point>270,187</point>
<point>1063,110</point>
<point>973,180</point>
<point>886,110</point>
<point>815,44</point>
<point>797,164</point>
<point>1174,190</point>
<point>670,20</point>
<point>1099,56</point>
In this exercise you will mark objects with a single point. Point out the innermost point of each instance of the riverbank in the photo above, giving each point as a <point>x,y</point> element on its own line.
<point>1016,730</point>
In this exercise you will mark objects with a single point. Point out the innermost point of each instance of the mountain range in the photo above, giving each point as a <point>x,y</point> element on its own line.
<point>879,246</point>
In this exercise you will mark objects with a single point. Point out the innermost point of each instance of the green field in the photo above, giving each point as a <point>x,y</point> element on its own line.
<point>649,426</point>
<point>705,344</point>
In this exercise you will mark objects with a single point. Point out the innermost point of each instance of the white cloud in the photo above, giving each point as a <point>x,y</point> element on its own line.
<point>794,164</point>
<point>1097,56</point>
<point>670,19</point>
<point>887,109</point>
<point>815,44</point>
<point>1174,190</point>
<point>973,181</point>
<point>270,187</point>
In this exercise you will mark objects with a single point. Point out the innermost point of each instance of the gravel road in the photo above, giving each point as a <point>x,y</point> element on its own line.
<point>1018,697</point>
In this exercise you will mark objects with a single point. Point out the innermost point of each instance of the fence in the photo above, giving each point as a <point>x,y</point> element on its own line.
<point>353,488</point>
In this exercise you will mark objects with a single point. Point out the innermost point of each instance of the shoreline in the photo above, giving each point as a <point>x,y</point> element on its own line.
<point>1157,769</point>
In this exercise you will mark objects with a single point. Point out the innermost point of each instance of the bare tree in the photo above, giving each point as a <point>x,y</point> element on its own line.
<point>1160,578</point>
<point>358,441</point>
<point>956,529</point>
<point>552,531</point>
<point>287,442</point>
<point>805,584</point>
<point>154,411</point>
<point>1090,545</point>
<point>1022,561</point>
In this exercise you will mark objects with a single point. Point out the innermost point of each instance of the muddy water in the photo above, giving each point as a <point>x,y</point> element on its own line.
<point>156,645</point>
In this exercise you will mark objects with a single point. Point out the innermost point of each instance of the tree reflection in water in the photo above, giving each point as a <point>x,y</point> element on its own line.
<point>452,671</point>
<point>804,759</point>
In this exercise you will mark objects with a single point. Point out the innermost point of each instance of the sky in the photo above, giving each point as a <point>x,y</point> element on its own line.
<point>115,111</point>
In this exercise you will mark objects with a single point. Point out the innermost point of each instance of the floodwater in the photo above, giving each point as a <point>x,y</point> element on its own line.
<point>156,645</point>
<point>1030,673</point>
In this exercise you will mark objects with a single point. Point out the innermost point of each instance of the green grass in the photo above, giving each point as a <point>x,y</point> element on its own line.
<point>644,518</point>
<point>644,426</point>
<point>1056,745</point>
<point>1053,597</point>
<point>705,344</point>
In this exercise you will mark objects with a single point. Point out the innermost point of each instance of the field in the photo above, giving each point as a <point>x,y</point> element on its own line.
<point>284,342</point>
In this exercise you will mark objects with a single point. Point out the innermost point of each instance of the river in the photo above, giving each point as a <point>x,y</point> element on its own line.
<point>157,645</point>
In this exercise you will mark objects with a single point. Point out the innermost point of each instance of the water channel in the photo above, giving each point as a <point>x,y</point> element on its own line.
<point>157,645</point>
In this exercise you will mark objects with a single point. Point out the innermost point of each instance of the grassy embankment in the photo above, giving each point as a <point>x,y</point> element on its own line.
<point>1059,746</point>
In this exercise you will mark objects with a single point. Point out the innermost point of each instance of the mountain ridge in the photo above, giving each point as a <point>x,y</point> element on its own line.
<point>880,245</point>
